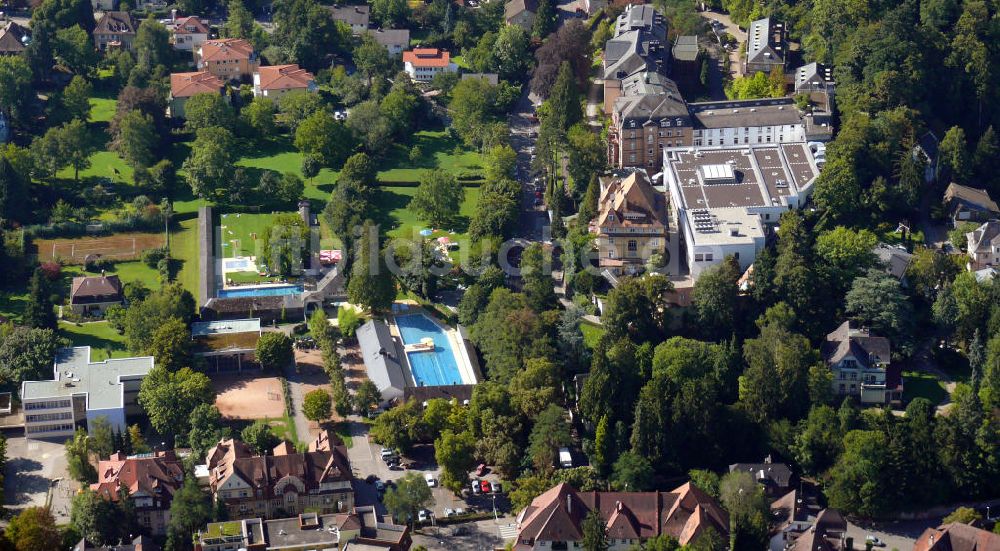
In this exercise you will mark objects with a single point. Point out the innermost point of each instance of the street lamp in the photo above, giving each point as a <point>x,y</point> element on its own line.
<point>496,519</point>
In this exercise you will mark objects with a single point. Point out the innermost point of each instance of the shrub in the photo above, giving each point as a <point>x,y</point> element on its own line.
<point>348,320</point>
<point>152,257</point>
<point>51,270</point>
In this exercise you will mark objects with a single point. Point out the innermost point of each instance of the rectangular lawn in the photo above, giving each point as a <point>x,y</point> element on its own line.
<point>239,233</point>
<point>103,340</point>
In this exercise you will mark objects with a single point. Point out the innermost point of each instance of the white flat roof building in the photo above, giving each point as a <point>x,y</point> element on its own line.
<point>723,196</point>
<point>82,390</point>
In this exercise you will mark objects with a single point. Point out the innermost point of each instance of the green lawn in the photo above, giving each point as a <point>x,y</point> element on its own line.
<point>284,428</point>
<point>184,249</point>
<point>344,433</point>
<point>104,341</point>
<point>239,232</point>
<point>102,109</point>
<point>134,270</point>
<point>591,334</point>
<point>13,301</point>
<point>923,385</point>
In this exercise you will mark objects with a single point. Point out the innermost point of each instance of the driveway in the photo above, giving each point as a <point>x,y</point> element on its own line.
<point>307,376</point>
<point>900,534</point>
<point>32,468</point>
<point>735,67</point>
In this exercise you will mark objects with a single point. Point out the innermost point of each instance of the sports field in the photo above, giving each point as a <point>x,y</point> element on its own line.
<point>245,396</point>
<point>120,246</point>
<point>239,232</point>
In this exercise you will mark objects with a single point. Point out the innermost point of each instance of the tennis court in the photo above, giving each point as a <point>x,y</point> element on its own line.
<point>120,246</point>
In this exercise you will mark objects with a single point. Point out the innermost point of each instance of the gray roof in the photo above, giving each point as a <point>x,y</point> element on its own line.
<point>75,374</point>
<point>761,46</point>
<point>847,341</point>
<point>777,473</point>
<point>686,48</point>
<point>642,17</point>
<point>352,15</point>
<point>515,7</point>
<point>981,239</point>
<point>895,260</point>
<point>379,352</point>
<point>630,53</point>
<point>739,113</point>
<point>650,97</point>
<point>225,327</point>
<point>392,37</point>
<point>813,76</point>
<point>491,78</point>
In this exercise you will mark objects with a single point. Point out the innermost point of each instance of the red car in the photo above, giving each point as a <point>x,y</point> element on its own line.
<point>485,485</point>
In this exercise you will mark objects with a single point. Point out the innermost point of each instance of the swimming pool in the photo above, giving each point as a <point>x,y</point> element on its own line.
<point>274,291</point>
<point>437,368</point>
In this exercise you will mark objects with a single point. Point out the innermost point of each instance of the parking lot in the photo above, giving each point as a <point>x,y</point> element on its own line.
<point>32,468</point>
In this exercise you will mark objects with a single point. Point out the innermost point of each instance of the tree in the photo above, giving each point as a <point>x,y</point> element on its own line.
<point>190,510</point>
<point>39,313</point>
<point>564,100</point>
<point>953,156</point>
<point>390,13</point>
<point>97,519</point>
<point>259,117</point>
<point>207,110</point>
<point>66,145</point>
<point>858,484</point>
<point>775,381</point>
<point>34,528</point>
<point>847,252</point>
<point>274,351</point>
<point>16,93</point>
<point>604,451</point>
<point>367,397</point>
<point>211,165</point>
<point>319,134</point>
<point>260,437</point>
<point>536,271</point>
<point>511,53</point>
<point>298,105</point>
<point>595,533</point>
<point>877,301</point>
<point>207,428</point>
<point>454,452</point>
<point>545,19</point>
<point>818,440</point>
<point>371,284</point>
<point>499,163</point>
<point>78,458</point>
<point>27,354</point>
<point>715,297</point>
<point>550,433</point>
<point>748,509</point>
<point>706,481</point>
<point>632,472</point>
<point>171,345</point>
<point>75,99</point>
<point>13,191</point>
<point>169,398</point>
<point>290,187</point>
<point>410,494</point>
<point>74,49</point>
<point>964,515</point>
<point>317,405</point>
<point>496,211</point>
<point>371,58</point>
<point>370,127</point>
<point>987,150</point>
<point>147,313</point>
<point>137,139</point>
<point>102,437</point>
<point>587,157</point>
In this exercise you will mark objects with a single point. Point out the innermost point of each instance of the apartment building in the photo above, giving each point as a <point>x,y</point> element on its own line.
<point>766,47</point>
<point>278,80</point>
<point>80,392</point>
<point>639,44</point>
<point>149,480</point>
<point>861,365</point>
<point>227,58</point>
<point>115,29</point>
<point>632,223</point>
<point>188,33</point>
<point>423,63</point>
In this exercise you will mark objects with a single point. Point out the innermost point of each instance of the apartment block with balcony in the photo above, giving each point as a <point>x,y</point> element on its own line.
<point>861,365</point>
<point>82,391</point>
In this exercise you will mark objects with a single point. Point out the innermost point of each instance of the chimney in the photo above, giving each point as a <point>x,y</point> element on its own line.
<point>173,16</point>
<point>569,503</point>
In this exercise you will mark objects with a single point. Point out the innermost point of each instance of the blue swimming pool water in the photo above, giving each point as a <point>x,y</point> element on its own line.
<point>261,291</point>
<point>435,368</point>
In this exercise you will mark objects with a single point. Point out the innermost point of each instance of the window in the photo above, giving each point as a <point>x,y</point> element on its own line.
<point>842,388</point>
<point>611,240</point>
<point>736,255</point>
<point>698,257</point>
<point>708,257</point>
<point>633,245</point>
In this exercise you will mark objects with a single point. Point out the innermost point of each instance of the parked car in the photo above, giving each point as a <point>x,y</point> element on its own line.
<point>449,512</point>
<point>495,487</point>
<point>431,481</point>
<point>459,511</point>
<point>387,453</point>
<point>424,515</point>
<point>476,488</point>
<point>874,541</point>
<point>485,484</point>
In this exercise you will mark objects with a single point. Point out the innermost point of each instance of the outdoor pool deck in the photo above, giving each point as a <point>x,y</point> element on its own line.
<point>447,364</point>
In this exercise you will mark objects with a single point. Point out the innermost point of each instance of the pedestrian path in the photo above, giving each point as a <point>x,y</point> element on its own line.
<point>507,531</point>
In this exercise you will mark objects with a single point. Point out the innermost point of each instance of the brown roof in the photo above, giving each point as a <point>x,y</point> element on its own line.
<point>427,57</point>
<point>634,203</point>
<point>225,49</point>
<point>190,25</point>
<point>11,38</point>
<point>116,22</point>
<point>95,289</point>
<point>971,197</point>
<point>158,475</point>
<point>685,513</point>
<point>185,85</point>
<point>957,537</point>
<point>285,77</point>
<point>847,341</point>
<point>220,342</point>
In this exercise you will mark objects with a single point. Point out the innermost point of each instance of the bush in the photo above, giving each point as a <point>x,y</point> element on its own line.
<point>348,320</point>
<point>152,257</point>
<point>51,270</point>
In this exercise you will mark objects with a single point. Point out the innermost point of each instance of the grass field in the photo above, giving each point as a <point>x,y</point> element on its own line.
<point>102,109</point>
<point>184,249</point>
<point>591,334</point>
<point>403,222</point>
<point>134,270</point>
<point>120,246</point>
<point>240,232</point>
<point>104,342</point>
<point>923,385</point>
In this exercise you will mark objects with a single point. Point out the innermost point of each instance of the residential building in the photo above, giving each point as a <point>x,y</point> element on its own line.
<point>104,5</point>
<point>984,246</point>
<point>423,63</point>
<point>639,44</point>
<point>521,13</point>
<point>766,47</point>
<point>814,77</point>
<point>14,38</point>
<point>381,356</point>
<point>227,345</point>
<point>394,40</point>
<point>970,204</point>
<point>151,479</point>
<point>307,531</point>
<point>827,533</point>
<point>184,86</point>
<point>356,17</point>
<point>227,58</point>
<point>862,365</point>
<point>284,483</point>
<point>189,33</point>
<point>554,520</point>
<point>277,80</point>
<point>648,116</point>
<point>758,121</point>
<point>927,147</point>
<point>895,259</point>
<point>115,29</point>
<point>776,478</point>
<point>80,392</point>
<point>957,536</point>
<point>722,198</point>
<point>631,224</point>
<point>91,296</point>
<point>141,543</point>
<point>685,64</point>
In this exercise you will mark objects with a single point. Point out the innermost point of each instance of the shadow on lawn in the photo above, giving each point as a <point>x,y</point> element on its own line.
<point>390,201</point>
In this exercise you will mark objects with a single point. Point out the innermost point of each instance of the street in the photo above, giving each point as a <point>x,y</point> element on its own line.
<point>735,67</point>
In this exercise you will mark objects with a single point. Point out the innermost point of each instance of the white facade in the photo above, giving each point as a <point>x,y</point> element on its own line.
<point>750,135</point>
<point>421,73</point>
<point>188,42</point>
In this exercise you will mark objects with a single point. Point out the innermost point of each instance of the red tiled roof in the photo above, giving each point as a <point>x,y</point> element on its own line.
<point>185,85</point>
<point>284,77</point>
<point>427,57</point>
<point>158,475</point>
<point>84,289</point>
<point>957,537</point>
<point>226,49</point>
<point>180,26</point>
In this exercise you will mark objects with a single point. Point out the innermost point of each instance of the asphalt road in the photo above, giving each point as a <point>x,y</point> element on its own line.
<point>735,66</point>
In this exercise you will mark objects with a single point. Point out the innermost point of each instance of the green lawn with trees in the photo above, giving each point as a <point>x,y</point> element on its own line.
<point>104,341</point>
